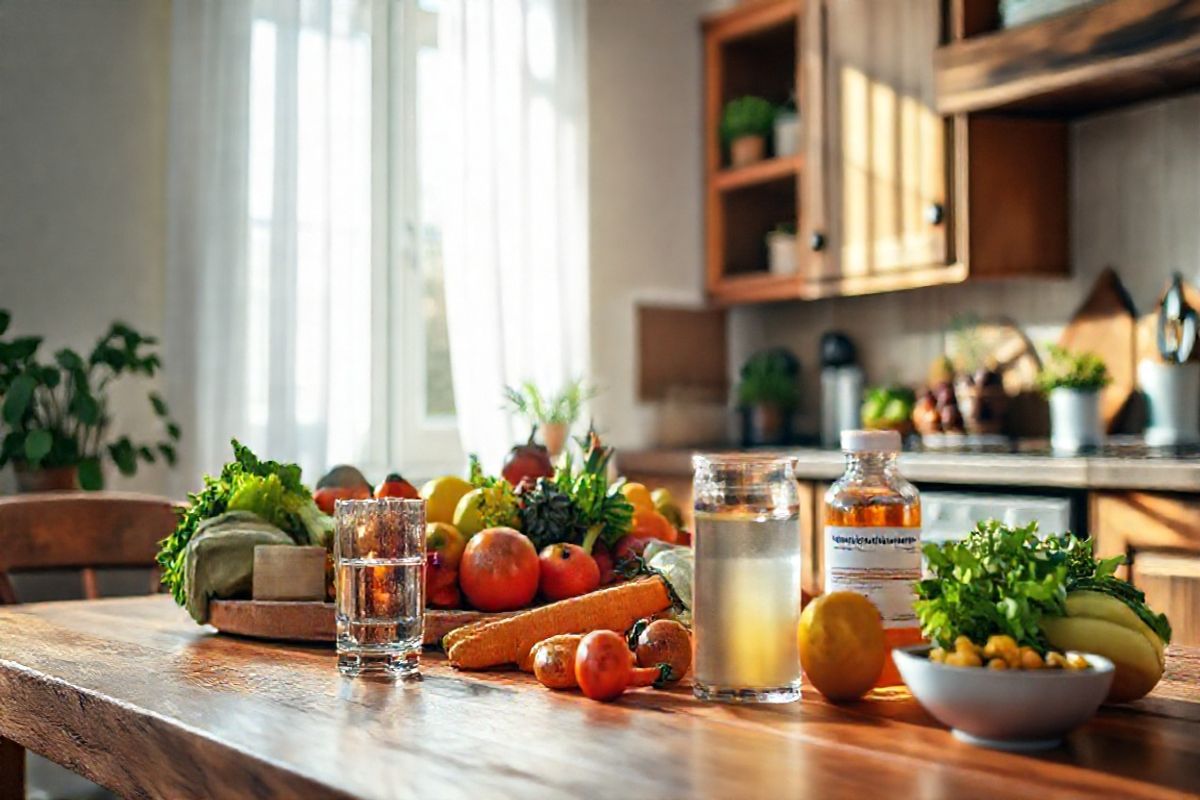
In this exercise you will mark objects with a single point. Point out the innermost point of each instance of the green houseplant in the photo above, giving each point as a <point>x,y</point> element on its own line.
<point>745,125</point>
<point>552,414</point>
<point>1072,382</point>
<point>767,394</point>
<point>56,421</point>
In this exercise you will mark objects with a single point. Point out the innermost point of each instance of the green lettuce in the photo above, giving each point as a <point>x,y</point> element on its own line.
<point>268,489</point>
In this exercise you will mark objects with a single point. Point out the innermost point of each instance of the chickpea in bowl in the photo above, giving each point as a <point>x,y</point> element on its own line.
<point>1002,652</point>
<point>1021,707</point>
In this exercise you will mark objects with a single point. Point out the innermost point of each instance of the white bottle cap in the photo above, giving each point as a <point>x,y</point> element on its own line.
<point>871,441</point>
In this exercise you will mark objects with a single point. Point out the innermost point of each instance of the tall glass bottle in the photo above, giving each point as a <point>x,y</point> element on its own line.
<point>746,590</point>
<point>872,536</point>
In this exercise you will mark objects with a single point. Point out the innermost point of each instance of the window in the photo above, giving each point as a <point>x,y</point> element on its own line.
<point>344,240</point>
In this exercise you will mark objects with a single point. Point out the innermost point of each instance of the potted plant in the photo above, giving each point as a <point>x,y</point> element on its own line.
<point>553,415</point>
<point>787,129</point>
<point>56,417</point>
<point>745,125</point>
<point>1072,382</point>
<point>767,395</point>
<point>781,249</point>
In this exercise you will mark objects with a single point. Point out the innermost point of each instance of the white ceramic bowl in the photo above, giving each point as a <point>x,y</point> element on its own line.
<point>1005,709</point>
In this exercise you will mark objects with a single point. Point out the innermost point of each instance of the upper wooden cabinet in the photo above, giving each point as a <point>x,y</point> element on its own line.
<point>882,172</point>
<point>889,194</point>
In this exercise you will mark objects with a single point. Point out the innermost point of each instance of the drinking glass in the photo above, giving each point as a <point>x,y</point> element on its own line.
<point>746,592</point>
<point>379,556</point>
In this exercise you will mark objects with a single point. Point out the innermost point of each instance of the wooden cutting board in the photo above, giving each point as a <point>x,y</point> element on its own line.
<point>312,621</point>
<point>1106,324</point>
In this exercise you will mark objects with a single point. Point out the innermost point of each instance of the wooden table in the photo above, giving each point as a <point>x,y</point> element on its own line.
<point>133,695</point>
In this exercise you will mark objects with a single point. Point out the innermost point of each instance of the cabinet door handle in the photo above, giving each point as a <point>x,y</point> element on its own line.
<point>936,214</point>
<point>816,241</point>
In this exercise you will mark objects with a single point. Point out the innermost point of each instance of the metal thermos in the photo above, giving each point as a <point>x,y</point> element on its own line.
<point>841,402</point>
<point>841,388</point>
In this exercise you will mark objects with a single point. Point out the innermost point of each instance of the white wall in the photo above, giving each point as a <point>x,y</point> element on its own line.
<point>83,110</point>
<point>646,190</point>
<point>1135,197</point>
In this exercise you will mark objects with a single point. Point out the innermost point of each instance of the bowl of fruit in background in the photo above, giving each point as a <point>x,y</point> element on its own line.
<point>1003,696</point>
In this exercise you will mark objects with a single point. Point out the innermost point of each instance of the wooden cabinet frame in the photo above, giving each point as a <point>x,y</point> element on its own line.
<point>1005,209</point>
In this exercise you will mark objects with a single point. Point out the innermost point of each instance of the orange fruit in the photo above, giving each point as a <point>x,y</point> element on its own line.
<point>638,496</point>
<point>649,524</point>
<point>842,646</point>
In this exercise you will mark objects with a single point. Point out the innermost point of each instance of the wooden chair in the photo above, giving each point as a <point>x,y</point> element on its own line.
<point>81,530</point>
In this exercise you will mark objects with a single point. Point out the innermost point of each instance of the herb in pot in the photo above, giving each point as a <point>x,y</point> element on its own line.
<point>1084,372</point>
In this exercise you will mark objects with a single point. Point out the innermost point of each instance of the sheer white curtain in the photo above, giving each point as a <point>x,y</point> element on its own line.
<point>272,327</point>
<point>514,205</point>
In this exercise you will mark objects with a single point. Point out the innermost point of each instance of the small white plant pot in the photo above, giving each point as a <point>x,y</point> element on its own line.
<point>1075,420</point>
<point>1172,394</point>
<point>787,134</point>
<point>747,150</point>
<point>781,253</point>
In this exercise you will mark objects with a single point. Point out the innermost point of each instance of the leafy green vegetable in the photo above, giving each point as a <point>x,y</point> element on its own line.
<point>602,508</point>
<point>1002,579</point>
<point>269,489</point>
<point>549,516</point>
<point>1086,573</point>
<point>997,580</point>
<point>498,505</point>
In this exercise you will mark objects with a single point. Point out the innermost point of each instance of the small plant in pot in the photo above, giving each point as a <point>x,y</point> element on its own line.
<point>745,125</point>
<point>56,416</point>
<point>767,396</point>
<point>552,415</point>
<point>1072,382</point>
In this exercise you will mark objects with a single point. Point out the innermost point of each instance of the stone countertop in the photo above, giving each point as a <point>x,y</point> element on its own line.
<point>1123,464</point>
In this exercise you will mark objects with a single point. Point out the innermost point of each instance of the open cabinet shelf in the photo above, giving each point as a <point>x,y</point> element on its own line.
<point>1097,57</point>
<point>767,171</point>
<point>752,49</point>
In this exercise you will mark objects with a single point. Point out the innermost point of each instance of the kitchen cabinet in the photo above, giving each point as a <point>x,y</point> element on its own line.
<point>882,176</point>
<point>888,194</point>
<point>1159,534</point>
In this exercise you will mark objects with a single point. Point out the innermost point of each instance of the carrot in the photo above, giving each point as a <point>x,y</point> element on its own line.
<point>508,641</point>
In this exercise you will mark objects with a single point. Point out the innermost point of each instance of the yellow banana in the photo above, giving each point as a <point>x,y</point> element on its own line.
<point>1100,624</point>
<point>1102,606</point>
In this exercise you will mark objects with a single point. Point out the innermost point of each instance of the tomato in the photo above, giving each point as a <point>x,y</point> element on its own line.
<point>326,498</point>
<point>499,570</point>
<point>566,571</point>
<point>395,486</point>
<point>604,666</point>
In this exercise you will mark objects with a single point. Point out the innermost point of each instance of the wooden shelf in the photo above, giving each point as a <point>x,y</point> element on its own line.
<point>1098,57</point>
<point>771,169</point>
<point>757,287</point>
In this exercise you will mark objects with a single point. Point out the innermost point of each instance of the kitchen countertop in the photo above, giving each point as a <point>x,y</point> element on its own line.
<point>137,697</point>
<point>1123,464</point>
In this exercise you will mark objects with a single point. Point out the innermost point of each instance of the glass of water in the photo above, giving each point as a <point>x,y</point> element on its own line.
<point>379,556</point>
<point>746,588</point>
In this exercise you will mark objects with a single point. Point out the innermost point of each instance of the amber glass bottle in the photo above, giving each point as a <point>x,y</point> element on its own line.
<point>873,536</point>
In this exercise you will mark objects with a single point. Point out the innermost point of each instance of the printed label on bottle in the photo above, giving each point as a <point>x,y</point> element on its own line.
<point>881,563</point>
